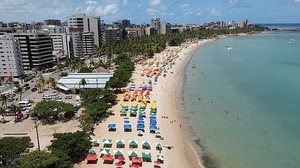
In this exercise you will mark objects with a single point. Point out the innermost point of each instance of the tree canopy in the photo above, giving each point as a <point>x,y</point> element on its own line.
<point>43,159</point>
<point>74,145</point>
<point>11,148</point>
<point>48,111</point>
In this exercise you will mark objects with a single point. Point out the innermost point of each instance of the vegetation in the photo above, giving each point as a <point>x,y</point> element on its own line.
<point>50,111</point>
<point>2,113</point>
<point>14,108</point>
<point>123,73</point>
<point>3,99</point>
<point>11,148</point>
<point>63,74</point>
<point>74,145</point>
<point>96,103</point>
<point>43,159</point>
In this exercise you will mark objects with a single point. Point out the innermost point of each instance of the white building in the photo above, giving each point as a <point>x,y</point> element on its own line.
<point>83,23</point>
<point>155,23</point>
<point>93,80</point>
<point>88,44</point>
<point>59,44</point>
<point>76,45</point>
<point>165,28</point>
<point>10,57</point>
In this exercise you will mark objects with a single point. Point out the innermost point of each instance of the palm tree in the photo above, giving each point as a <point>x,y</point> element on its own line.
<point>3,98</point>
<point>2,112</point>
<point>14,108</point>
<point>39,86</point>
<point>20,91</point>
<point>52,82</point>
<point>83,83</point>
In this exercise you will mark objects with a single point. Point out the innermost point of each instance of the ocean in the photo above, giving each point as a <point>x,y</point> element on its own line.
<point>242,106</point>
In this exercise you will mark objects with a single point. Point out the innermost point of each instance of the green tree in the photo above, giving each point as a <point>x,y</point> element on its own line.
<point>44,159</point>
<point>3,99</point>
<point>52,82</point>
<point>19,90</point>
<point>74,145</point>
<point>48,111</point>
<point>83,83</point>
<point>2,113</point>
<point>11,148</point>
<point>14,108</point>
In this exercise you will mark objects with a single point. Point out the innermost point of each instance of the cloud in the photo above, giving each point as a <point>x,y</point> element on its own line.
<point>107,10</point>
<point>232,2</point>
<point>297,1</point>
<point>155,6</point>
<point>215,12</point>
<point>154,2</point>
<point>188,9</point>
<point>125,2</point>
<point>185,5</point>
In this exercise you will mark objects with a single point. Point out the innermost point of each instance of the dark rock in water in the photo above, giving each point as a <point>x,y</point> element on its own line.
<point>199,98</point>
<point>227,112</point>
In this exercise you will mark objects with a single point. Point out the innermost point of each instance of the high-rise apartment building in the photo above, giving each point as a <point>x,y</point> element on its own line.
<point>52,22</point>
<point>36,50</point>
<point>165,28</point>
<point>10,57</point>
<point>83,23</point>
<point>88,43</point>
<point>155,23</point>
<point>59,44</point>
<point>76,45</point>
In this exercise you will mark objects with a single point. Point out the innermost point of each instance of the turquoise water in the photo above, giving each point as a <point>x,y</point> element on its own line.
<point>244,105</point>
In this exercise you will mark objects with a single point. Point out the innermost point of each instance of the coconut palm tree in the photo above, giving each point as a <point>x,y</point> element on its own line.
<point>2,113</point>
<point>3,98</point>
<point>52,82</point>
<point>19,90</point>
<point>39,86</point>
<point>14,108</point>
<point>83,83</point>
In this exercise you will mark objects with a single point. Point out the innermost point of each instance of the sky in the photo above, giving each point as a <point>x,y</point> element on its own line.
<point>141,11</point>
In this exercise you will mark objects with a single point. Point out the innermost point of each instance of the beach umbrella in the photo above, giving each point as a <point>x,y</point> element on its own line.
<point>111,126</point>
<point>104,151</point>
<point>140,126</point>
<point>146,155</point>
<point>141,118</point>
<point>152,117</point>
<point>160,157</point>
<point>118,153</point>
<point>158,146</point>
<point>146,144</point>
<point>107,142</point>
<point>153,122</point>
<point>95,142</point>
<point>120,142</point>
<point>127,127</point>
<point>140,133</point>
<point>133,144</point>
<point>153,127</point>
<point>141,122</point>
<point>126,118</point>
<point>126,122</point>
<point>92,151</point>
<point>133,154</point>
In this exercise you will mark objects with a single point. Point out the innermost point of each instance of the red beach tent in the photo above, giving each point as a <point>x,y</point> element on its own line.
<point>91,158</point>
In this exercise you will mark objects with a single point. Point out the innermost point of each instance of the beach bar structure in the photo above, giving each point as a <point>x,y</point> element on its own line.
<point>71,83</point>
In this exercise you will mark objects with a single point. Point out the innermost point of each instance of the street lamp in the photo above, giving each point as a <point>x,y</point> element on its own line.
<point>37,134</point>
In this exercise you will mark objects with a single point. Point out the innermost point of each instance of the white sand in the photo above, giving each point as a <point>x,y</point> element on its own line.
<point>164,92</point>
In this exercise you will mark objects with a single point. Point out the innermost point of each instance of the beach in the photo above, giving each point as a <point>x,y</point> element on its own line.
<point>165,93</point>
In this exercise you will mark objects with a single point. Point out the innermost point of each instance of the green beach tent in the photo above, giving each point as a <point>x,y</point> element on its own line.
<point>132,154</point>
<point>133,144</point>
<point>146,145</point>
<point>92,151</point>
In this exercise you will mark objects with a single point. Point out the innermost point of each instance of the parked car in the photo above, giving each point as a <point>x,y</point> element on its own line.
<point>26,85</point>
<point>57,98</point>
<point>27,88</point>
<point>68,97</point>
<point>46,97</point>
<point>34,89</point>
